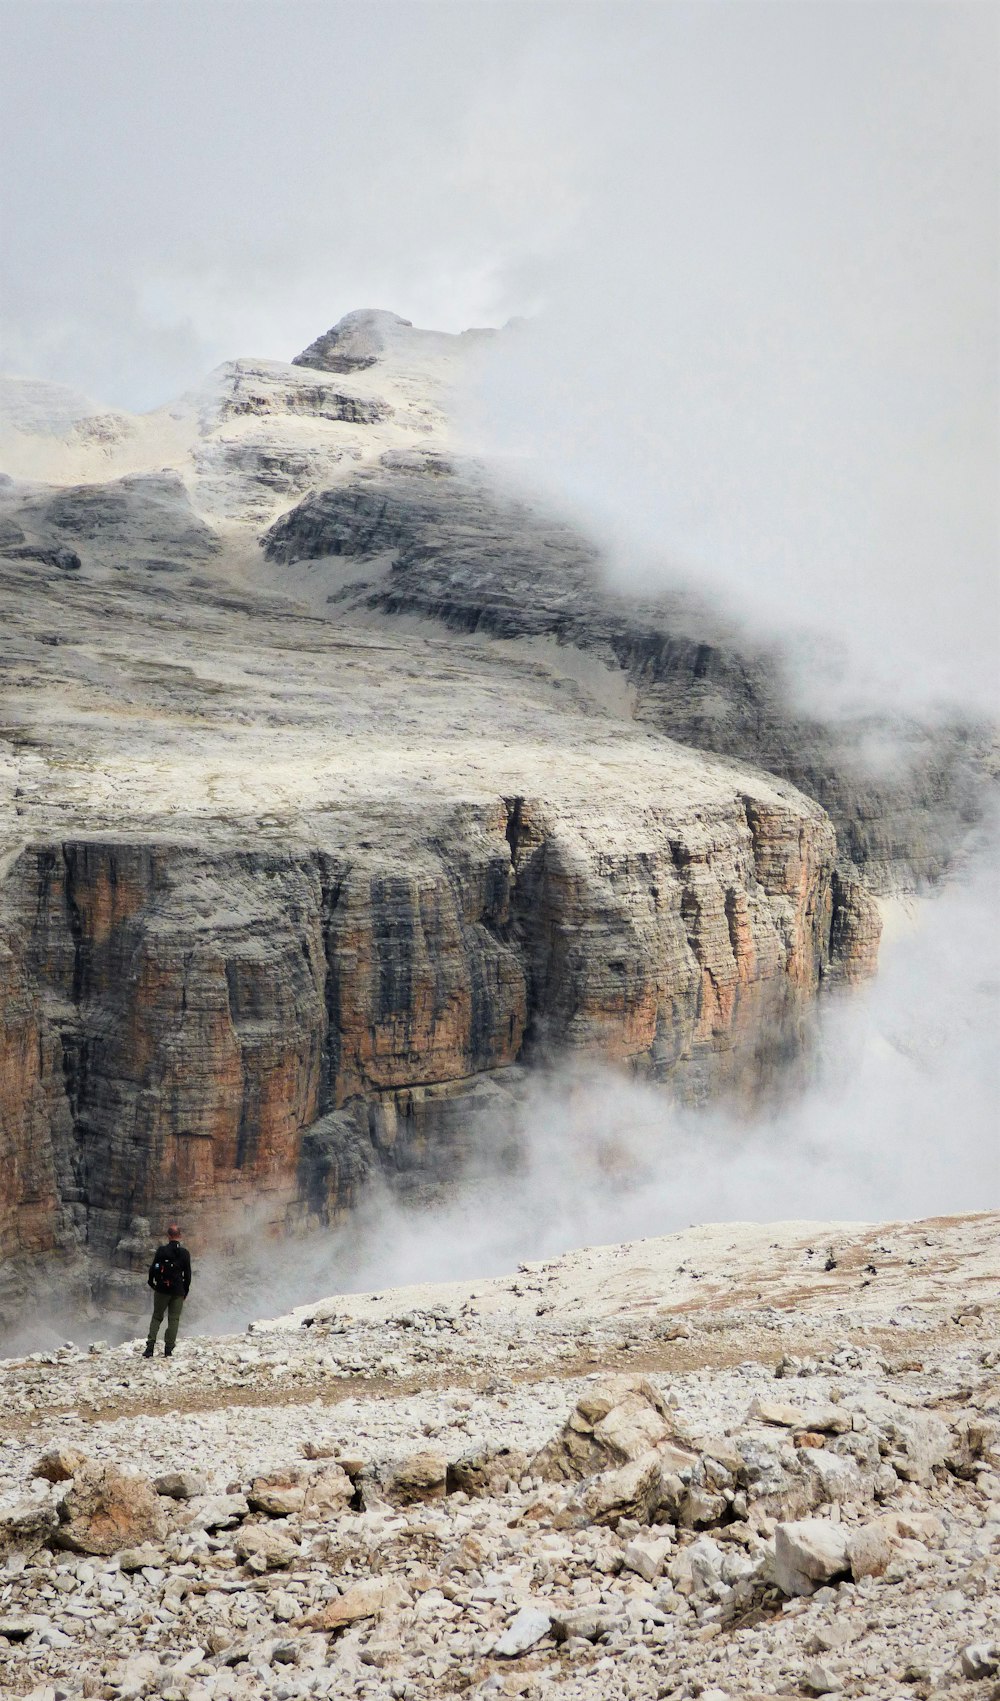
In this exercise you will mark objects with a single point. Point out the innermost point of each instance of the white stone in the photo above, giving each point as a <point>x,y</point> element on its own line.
<point>525,1629</point>
<point>808,1553</point>
<point>821,1679</point>
<point>980,1659</point>
<point>646,1557</point>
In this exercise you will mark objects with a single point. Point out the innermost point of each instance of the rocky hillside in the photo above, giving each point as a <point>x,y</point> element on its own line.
<point>739,1462</point>
<point>334,791</point>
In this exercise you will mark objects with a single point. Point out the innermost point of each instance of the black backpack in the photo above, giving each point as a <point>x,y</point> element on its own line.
<point>166,1272</point>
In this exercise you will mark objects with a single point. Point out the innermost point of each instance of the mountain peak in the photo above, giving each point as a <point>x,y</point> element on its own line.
<point>355,341</point>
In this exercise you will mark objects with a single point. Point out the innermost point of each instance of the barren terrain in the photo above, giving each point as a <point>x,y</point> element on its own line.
<point>780,1476</point>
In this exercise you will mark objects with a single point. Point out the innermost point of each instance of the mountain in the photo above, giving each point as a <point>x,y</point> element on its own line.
<point>336,789</point>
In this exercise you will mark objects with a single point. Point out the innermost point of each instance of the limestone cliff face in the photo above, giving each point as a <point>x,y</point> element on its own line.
<point>188,1030</point>
<point>30,1204</point>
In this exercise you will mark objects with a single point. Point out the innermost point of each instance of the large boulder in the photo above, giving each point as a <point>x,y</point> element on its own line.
<point>914,1443</point>
<point>632,1491</point>
<point>646,1556</point>
<point>27,1524</point>
<point>59,1464</point>
<point>486,1470</point>
<point>975,1443</point>
<point>808,1554</point>
<point>592,1623</point>
<point>106,1509</point>
<point>264,1549</point>
<point>525,1629</point>
<point>833,1476</point>
<point>217,1511</point>
<point>328,1492</point>
<point>617,1420</point>
<point>318,1494</point>
<point>368,1599</point>
<point>771,1478</point>
<point>421,1476</point>
<point>277,1495</point>
<point>180,1485</point>
<point>870,1549</point>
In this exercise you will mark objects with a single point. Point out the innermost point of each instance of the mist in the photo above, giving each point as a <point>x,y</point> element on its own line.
<point>896,1117</point>
<point>754,247</point>
<point>766,365</point>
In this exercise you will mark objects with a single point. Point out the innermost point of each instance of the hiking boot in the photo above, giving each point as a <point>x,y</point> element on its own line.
<point>147,1351</point>
<point>167,1351</point>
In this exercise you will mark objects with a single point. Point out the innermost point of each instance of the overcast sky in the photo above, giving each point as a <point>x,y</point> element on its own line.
<point>759,241</point>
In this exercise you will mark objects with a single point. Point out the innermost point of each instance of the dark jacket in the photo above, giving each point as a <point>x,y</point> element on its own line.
<point>170,1271</point>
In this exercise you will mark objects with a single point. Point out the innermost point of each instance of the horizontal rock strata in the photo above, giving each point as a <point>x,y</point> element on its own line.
<point>307,851</point>
<point>187,1029</point>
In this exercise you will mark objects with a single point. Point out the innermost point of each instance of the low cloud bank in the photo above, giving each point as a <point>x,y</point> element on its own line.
<point>764,360</point>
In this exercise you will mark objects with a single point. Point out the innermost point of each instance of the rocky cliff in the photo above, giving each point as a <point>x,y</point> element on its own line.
<point>189,1016</point>
<point>284,901</point>
<point>307,850</point>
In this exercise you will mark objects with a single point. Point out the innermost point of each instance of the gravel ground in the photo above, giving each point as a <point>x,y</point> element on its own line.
<point>380,1495</point>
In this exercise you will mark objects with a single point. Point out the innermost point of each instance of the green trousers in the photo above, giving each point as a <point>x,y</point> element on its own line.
<point>170,1306</point>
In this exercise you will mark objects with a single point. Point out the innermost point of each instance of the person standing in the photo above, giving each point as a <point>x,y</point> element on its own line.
<point>170,1280</point>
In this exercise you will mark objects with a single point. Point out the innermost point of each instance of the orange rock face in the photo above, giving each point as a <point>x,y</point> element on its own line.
<point>191,1030</point>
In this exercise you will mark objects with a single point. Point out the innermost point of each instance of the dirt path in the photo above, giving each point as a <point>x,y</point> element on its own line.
<point>905,1351</point>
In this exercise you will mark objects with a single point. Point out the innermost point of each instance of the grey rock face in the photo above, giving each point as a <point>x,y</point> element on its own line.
<point>66,560</point>
<point>141,521</point>
<point>353,344</point>
<point>480,563</point>
<point>250,398</point>
<point>293,885</point>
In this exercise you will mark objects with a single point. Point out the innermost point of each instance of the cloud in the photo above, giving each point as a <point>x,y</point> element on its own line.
<point>205,182</point>
<point>766,363</point>
<point>760,246</point>
<point>896,1118</point>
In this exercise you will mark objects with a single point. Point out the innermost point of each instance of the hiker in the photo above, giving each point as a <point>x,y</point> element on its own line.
<point>170,1279</point>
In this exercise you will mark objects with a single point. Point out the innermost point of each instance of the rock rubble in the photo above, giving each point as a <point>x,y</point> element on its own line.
<point>477,1521</point>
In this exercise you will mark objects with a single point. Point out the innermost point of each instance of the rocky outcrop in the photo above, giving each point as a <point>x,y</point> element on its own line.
<point>359,340</point>
<point>30,1192</point>
<point>250,395</point>
<point>107,1509</point>
<point>141,521</point>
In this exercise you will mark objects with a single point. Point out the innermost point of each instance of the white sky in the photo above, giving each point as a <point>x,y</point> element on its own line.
<point>759,239</point>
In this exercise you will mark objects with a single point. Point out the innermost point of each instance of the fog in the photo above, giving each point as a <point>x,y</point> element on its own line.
<point>897,1117</point>
<point>766,364</point>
